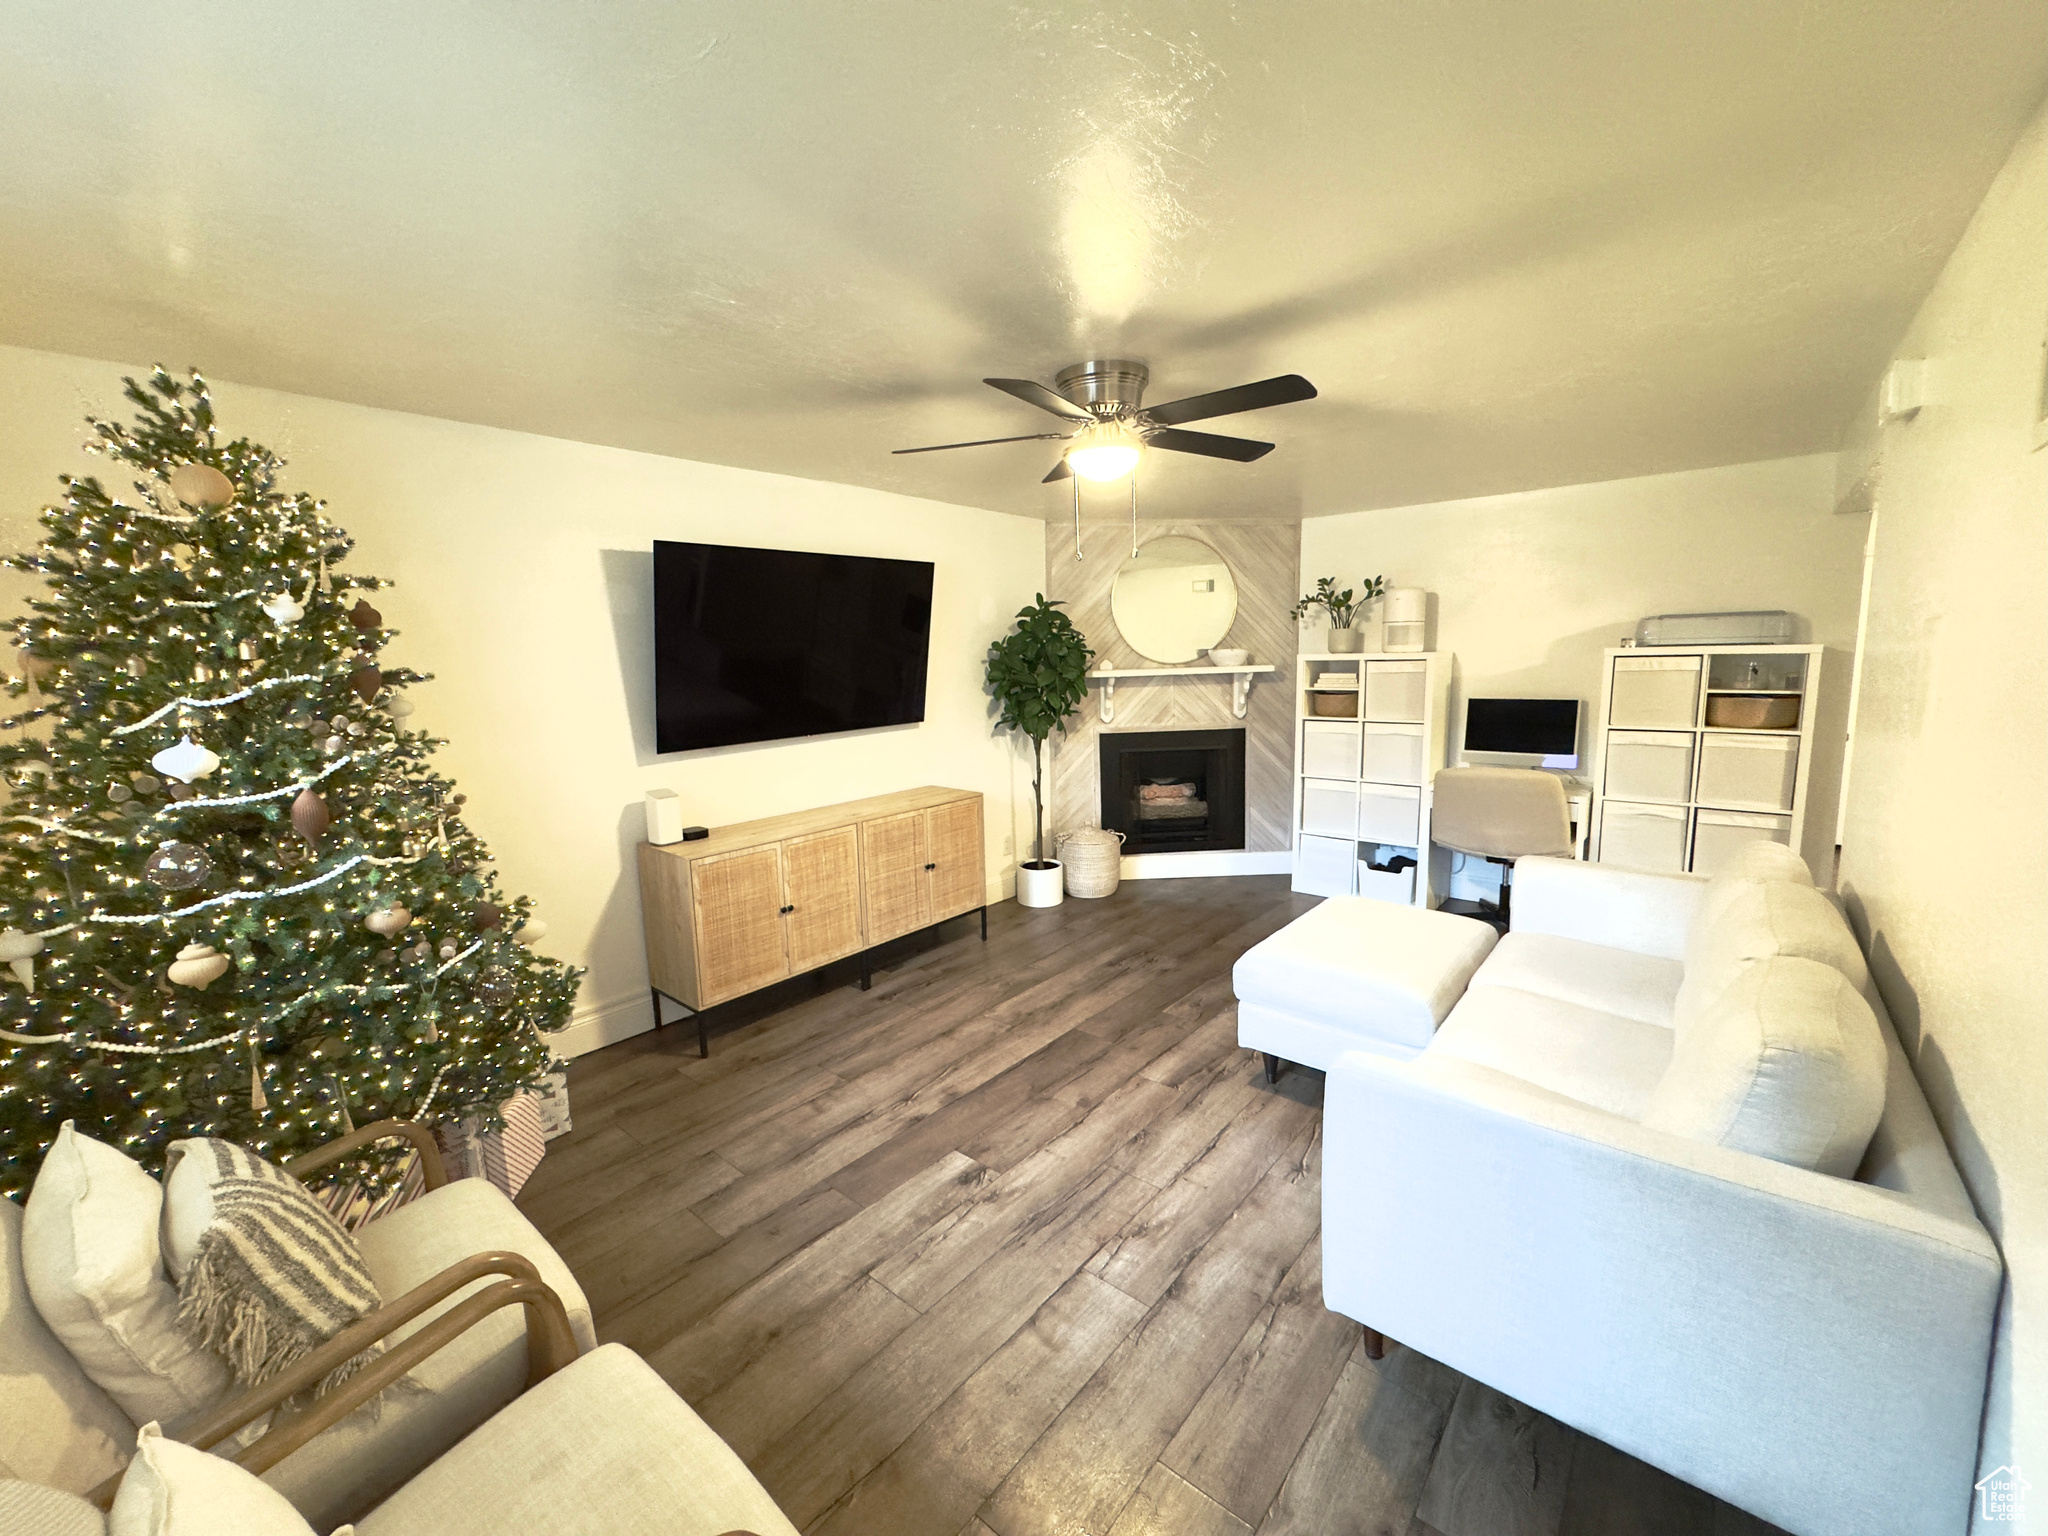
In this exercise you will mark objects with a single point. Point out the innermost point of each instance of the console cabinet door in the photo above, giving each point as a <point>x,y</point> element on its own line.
<point>821,886</point>
<point>895,885</point>
<point>736,915</point>
<point>954,852</point>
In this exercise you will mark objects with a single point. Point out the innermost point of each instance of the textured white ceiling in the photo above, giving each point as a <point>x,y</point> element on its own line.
<point>1514,244</point>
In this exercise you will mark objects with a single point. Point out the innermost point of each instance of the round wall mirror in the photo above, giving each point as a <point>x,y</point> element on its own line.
<point>1173,599</point>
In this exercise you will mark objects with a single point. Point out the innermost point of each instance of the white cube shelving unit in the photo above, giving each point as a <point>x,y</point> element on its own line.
<point>1363,762</point>
<point>1675,787</point>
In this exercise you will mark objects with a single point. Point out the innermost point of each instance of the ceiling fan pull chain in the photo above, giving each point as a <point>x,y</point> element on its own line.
<point>1134,516</point>
<point>1077,519</point>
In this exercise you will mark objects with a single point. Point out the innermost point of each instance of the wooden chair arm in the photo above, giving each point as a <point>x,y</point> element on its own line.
<point>422,1140</point>
<point>550,1345</point>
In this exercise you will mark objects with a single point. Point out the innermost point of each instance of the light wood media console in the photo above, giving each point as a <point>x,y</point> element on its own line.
<point>762,900</point>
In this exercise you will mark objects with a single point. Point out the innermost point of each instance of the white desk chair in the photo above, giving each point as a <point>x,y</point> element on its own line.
<point>1501,814</point>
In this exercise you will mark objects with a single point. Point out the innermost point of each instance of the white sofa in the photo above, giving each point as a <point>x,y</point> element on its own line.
<point>1808,1347</point>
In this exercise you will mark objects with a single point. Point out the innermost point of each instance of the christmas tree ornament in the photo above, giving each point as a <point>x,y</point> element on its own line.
<point>340,722</point>
<point>18,949</point>
<point>202,486</point>
<point>117,792</point>
<point>486,916</point>
<point>202,673</point>
<point>363,616</point>
<point>366,681</point>
<point>398,706</point>
<point>448,949</point>
<point>177,866</point>
<point>310,816</point>
<point>135,666</point>
<point>246,649</point>
<point>332,745</point>
<point>258,1102</point>
<point>198,966</point>
<point>283,609</point>
<point>146,784</point>
<point>185,762</point>
<point>496,987</point>
<point>355,728</point>
<point>182,791</point>
<point>532,931</point>
<point>386,921</point>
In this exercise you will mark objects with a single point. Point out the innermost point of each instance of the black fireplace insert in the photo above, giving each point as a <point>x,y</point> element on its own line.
<point>1173,791</point>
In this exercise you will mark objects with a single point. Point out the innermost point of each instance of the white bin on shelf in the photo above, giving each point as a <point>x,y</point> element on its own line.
<point>1329,808</point>
<point>1329,749</point>
<point>1748,772</point>
<point>1323,865</point>
<point>1648,837</point>
<point>1397,886</point>
<point>1393,754</point>
<point>1717,836</point>
<point>1649,765</point>
<point>1389,813</point>
<point>1655,692</point>
<point>1394,690</point>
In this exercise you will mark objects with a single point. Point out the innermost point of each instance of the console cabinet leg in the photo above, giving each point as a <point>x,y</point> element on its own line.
<point>984,925</point>
<point>703,1037</point>
<point>867,978</point>
<point>657,1007</point>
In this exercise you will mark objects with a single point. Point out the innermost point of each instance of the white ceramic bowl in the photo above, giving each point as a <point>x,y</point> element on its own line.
<point>1229,658</point>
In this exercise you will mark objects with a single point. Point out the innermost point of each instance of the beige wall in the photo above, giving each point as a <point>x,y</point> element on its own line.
<point>1529,588</point>
<point>523,570</point>
<point>1945,844</point>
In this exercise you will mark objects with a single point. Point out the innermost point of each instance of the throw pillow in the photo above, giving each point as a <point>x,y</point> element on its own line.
<point>171,1489</point>
<point>1757,919</point>
<point>30,1509</point>
<point>1788,1062</point>
<point>265,1275</point>
<point>94,1268</point>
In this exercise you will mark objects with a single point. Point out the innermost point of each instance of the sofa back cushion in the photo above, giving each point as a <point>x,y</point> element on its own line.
<point>59,1428</point>
<point>1787,1062</point>
<point>1763,859</point>
<point>1745,921</point>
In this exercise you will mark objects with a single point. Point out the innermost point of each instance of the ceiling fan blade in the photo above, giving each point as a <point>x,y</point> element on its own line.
<point>1059,472</point>
<point>1210,444</point>
<point>1284,390</point>
<point>1031,392</point>
<point>983,442</point>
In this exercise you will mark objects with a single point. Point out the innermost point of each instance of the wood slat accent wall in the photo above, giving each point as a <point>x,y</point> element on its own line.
<point>1265,561</point>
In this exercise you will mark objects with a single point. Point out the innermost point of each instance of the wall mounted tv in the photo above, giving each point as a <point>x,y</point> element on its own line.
<point>766,644</point>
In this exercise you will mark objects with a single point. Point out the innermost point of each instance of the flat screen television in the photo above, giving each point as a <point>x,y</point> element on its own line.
<point>1522,733</point>
<point>766,644</point>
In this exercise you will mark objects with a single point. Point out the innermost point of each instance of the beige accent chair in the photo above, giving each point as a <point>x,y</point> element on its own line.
<point>1500,814</point>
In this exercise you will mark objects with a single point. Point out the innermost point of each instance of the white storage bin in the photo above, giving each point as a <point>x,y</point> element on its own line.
<point>1393,754</point>
<point>1748,772</point>
<point>1717,836</point>
<point>1329,749</point>
<point>1389,814</point>
<point>1648,837</point>
<point>1394,690</point>
<point>1655,692</point>
<point>1649,765</point>
<point>1323,865</point>
<point>1329,809</point>
<point>1383,885</point>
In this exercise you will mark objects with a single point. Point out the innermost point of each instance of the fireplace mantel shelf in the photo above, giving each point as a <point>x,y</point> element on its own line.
<point>1240,682</point>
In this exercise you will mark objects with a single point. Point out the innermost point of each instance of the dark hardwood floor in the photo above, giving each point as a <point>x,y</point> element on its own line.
<point>1020,1243</point>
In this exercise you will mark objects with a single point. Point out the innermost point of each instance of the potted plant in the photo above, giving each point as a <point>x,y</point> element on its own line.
<point>1342,607</point>
<point>1038,675</point>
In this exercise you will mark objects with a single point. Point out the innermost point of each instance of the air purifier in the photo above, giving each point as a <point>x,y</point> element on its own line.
<point>1404,619</point>
<point>664,816</point>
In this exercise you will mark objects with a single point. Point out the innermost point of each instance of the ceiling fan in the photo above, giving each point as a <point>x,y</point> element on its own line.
<point>1111,427</point>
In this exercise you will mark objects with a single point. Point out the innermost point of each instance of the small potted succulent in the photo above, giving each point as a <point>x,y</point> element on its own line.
<point>1038,676</point>
<point>1342,607</point>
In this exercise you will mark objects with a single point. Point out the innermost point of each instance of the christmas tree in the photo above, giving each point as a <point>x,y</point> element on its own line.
<point>235,899</point>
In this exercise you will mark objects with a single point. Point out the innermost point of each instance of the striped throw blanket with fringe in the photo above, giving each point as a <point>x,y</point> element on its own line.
<point>273,1275</point>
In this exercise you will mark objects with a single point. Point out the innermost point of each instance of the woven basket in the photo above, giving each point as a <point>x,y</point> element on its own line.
<point>1093,860</point>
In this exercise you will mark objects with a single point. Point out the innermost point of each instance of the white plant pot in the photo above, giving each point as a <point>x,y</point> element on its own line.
<point>1045,887</point>
<point>1344,642</point>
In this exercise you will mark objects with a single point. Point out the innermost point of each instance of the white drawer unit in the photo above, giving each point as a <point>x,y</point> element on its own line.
<point>1717,836</point>
<point>1329,808</point>
<point>1655,693</point>
<point>1649,765</point>
<point>1396,885</point>
<point>1329,749</point>
<point>1396,690</point>
<point>1393,754</point>
<point>1648,837</point>
<point>1389,813</point>
<point>1748,773</point>
<point>1323,866</point>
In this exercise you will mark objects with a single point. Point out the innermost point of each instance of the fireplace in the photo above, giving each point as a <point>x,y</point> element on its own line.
<point>1173,791</point>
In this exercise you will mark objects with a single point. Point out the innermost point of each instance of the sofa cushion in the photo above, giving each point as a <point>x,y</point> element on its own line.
<point>351,1466</point>
<point>1639,987</point>
<point>31,1509</point>
<point>1750,920</point>
<point>1763,859</point>
<point>1369,967</point>
<point>603,1448</point>
<point>1787,1062</point>
<point>173,1490</point>
<point>1602,1059</point>
<point>94,1266</point>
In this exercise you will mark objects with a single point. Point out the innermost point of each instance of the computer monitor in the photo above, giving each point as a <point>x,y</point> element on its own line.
<point>1522,733</point>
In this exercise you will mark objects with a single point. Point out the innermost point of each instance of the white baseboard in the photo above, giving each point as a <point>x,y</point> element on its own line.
<point>606,1024</point>
<point>1204,865</point>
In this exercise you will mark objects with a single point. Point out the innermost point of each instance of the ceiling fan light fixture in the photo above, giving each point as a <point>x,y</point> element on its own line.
<point>1107,451</point>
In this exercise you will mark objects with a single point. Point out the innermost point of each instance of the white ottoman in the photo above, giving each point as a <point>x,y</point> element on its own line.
<point>1354,974</point>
